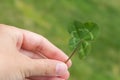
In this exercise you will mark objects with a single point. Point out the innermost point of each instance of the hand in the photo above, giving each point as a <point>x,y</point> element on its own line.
<point>25,55</point>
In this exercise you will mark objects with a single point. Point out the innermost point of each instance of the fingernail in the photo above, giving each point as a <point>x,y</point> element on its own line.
<point>61,69</point>
<point>69,64</point>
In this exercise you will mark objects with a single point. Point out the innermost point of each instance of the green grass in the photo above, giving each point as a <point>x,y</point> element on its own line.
<point>51,18</point>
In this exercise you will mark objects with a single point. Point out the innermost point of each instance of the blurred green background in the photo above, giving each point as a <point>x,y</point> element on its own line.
<point>51,18</point>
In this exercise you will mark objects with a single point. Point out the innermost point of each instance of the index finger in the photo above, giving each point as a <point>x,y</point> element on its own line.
<point>37,43</point>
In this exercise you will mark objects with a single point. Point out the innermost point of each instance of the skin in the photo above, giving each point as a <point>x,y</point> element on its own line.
<point>25,55</point>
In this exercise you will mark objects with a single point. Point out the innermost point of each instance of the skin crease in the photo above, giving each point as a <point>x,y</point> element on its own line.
<point>21,56</point>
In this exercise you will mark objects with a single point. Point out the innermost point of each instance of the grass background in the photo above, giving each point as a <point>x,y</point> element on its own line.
<point>51,18</point>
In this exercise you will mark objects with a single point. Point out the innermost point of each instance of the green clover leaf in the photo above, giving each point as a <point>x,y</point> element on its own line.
<point>81,36</point>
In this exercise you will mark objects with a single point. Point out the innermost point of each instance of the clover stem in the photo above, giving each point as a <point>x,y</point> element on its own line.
<point>74,51</point>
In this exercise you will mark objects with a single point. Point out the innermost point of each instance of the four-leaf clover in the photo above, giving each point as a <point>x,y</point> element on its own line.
<point>81,36</point>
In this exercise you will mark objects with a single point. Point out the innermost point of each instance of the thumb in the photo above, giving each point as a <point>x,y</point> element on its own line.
<point>45,67</point>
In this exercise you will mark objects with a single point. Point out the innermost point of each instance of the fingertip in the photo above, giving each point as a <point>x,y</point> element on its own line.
<point>65,76</point>
<point>61,68</point>
<point>69,63</point>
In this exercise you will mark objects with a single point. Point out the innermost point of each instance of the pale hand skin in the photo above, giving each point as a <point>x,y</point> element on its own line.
<point>20,57</point>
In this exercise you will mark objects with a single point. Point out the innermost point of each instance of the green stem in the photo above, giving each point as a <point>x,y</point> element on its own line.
<point>74,51</point>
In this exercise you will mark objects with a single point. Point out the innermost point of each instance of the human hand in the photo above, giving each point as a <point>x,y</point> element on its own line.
<point>22,56</point>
